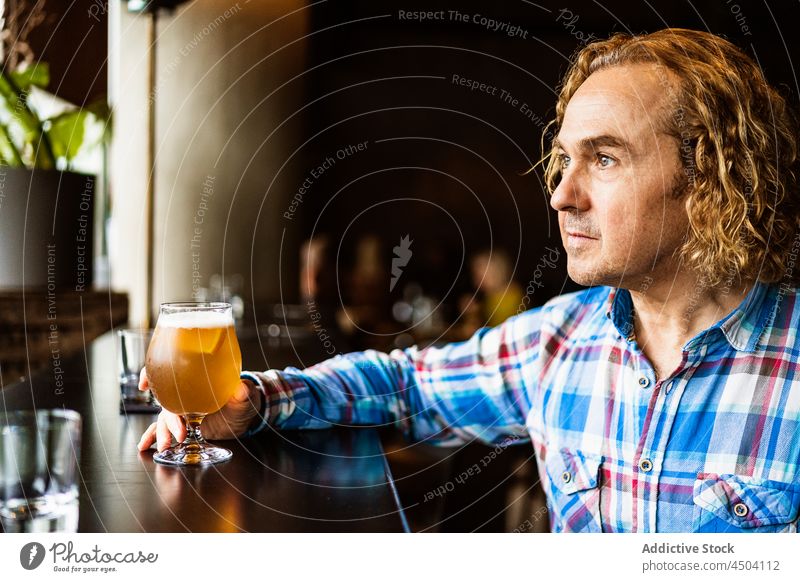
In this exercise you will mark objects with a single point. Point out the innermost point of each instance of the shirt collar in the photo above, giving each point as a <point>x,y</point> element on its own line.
<point>620,311</point>
<point>742,327</point>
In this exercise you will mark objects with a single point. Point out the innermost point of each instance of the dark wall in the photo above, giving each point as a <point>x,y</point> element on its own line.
<point>74,42</point>
<point>445,164</point>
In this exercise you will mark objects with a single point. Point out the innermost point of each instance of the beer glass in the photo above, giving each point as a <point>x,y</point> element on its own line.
<point>193,365</point>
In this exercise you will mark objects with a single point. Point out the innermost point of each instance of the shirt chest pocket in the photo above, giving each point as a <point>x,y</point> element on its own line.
<point>736,503</point>
<point>574,490</point>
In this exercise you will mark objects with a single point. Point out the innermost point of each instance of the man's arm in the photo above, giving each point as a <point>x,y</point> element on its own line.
<point>449,395</point>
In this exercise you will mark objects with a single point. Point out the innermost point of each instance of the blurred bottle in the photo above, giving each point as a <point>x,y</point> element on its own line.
<point>501,295</point>
<point>418,311</point>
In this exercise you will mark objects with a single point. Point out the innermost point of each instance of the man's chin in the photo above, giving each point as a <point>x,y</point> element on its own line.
<point>589,277</point>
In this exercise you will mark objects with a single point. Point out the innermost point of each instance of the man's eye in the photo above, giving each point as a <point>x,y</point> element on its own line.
<point>563,161</point>
<point>605,161</point>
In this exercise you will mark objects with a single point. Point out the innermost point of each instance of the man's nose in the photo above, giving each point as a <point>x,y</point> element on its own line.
<point>570,194</point>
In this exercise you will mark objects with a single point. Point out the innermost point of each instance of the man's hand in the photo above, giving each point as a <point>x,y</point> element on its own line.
<point>229,422</point>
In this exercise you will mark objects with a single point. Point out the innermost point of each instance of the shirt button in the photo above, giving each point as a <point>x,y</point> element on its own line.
<point>740,509</point>
<point>644,382</point>
<point>566,476</point>
<point>646,465</point>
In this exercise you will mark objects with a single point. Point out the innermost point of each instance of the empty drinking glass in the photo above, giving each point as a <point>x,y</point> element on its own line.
<point>39,453</point>
<point>131,349</point>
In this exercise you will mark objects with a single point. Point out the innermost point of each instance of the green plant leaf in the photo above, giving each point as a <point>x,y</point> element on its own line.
<point>9,154</point>
<point>23,129</point>
<point>16,105</point>
<point>36,75</point>
<point>66,133</point>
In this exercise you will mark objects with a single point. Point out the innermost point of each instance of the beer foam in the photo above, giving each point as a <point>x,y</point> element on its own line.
<point>195,319</point>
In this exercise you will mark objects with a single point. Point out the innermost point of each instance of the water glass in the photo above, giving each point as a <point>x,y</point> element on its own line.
<point>132,349</point>
<point>39,455</point>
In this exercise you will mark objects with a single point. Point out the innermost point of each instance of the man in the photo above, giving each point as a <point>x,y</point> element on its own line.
<point>664,397</point>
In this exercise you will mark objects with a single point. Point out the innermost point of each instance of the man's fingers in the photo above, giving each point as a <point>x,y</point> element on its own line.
<point>144,383</point>
<point>176,426</point>
<point>161,432</point>
<point>163,436</point>
<point>148,437</point>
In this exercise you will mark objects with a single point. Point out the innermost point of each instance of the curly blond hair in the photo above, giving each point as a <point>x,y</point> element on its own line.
<point>738,145</point>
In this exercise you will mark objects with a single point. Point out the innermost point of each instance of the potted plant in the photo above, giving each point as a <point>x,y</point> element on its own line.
<point>46,206</point>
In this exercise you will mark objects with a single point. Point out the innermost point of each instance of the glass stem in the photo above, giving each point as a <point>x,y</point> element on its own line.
<point>194,439</point>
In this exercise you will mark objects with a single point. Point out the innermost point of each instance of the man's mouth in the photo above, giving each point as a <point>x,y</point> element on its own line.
<point>578,241</point>
<point>579,235</point>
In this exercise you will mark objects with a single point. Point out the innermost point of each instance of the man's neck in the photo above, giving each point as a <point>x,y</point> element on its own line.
<point>668,313</point>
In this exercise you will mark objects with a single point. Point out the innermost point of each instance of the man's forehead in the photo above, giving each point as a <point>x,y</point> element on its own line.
<point>628,102</point>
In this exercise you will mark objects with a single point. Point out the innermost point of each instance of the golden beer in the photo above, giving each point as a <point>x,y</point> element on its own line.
<point>193,362</point>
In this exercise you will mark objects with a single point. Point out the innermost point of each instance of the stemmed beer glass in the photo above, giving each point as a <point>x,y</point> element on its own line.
<point>193,365</point>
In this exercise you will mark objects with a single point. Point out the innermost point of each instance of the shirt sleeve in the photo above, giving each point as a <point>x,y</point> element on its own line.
<point>443,395</point>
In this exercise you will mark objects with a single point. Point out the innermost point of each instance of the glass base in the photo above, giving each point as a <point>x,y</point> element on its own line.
<point>41,515</point>
<point>183,454</point>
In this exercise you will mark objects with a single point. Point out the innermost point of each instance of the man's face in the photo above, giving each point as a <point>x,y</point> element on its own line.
<point>620,216</point>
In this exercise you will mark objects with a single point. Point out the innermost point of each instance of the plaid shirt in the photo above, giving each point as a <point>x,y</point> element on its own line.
<point>714,447</point>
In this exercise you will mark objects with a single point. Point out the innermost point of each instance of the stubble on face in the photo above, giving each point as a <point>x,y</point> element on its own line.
<point>639,269</point>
